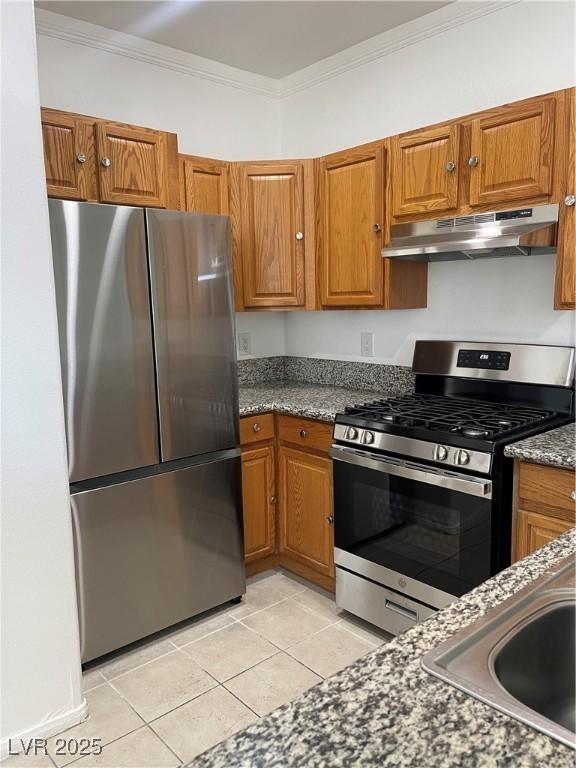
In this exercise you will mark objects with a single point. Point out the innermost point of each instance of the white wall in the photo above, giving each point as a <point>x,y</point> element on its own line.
<point>267,332</point>
<point>513,53</point>
<point>505,300</point>
<point>40,659</point>
<point>210,118</point>
<point>519,51</point>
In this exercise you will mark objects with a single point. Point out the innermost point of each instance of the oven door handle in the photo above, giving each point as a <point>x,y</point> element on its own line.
<point>474,486</point>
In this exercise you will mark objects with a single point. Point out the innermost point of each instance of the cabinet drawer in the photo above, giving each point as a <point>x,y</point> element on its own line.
<point>547,488</point>
<point>305,432</point>
<point>254,429</point>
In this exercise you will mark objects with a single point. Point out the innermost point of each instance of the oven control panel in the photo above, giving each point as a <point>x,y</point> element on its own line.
<point>447,455</point>
<point>484,359</point>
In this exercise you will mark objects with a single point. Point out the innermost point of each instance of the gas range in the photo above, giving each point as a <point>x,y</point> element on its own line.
<point>459,431</point>
<point>422,489</point>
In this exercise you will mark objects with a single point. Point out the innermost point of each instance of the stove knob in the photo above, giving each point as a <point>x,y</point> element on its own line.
<point>368,438</point>
<point>351,433</point>
<point>462,457</point>
<point>441,453</point>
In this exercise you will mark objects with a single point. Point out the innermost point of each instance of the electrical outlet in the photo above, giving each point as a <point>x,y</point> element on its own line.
<point>244,343</point>
<point>367,344</point>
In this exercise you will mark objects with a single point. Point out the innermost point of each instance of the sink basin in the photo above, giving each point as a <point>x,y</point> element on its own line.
<point>537,664</point>
<point>520,658</point>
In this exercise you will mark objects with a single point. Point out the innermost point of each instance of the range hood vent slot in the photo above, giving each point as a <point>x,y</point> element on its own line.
<point>494,234</point>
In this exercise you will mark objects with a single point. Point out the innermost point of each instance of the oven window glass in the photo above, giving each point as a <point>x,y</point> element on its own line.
<point>436,535</point>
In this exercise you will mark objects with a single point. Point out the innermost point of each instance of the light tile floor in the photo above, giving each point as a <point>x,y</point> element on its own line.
<point>169,698</point>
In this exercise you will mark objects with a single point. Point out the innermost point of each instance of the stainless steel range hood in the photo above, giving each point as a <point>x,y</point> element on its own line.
<point>498,234</point>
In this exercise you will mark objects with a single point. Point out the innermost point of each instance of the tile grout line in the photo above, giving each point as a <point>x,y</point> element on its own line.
<point>252,667</point>
<point>144,664</point>
<point>240,700</point>
<point>171,749</point>
<point>371,642</point>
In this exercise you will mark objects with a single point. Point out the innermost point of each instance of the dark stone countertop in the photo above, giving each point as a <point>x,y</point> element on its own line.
<point>314,401</point>
<point>557,448</point>
<point>385,710</point>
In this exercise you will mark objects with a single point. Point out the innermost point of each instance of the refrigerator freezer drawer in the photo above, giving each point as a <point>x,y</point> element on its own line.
<point>192,305</point>
<point>105,330</point>
<point>154,551</point>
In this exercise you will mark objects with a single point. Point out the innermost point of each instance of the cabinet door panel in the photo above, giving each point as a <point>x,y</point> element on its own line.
<point>68,156</point>
<point>425,171</point>
<point>534,530</point>
<point>272,213</point>
<point>565,295</point>
<point>137,173</point>
<point>352,191</point>
<point>203,185</point>
<point>514,151</point>
<point>258,502</point>
<point>306,509</point>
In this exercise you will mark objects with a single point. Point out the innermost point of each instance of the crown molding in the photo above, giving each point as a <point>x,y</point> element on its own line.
<point>49,24</point>
<point>413,32</point>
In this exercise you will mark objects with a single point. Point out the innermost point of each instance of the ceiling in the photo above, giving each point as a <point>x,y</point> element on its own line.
<point>273,38</point>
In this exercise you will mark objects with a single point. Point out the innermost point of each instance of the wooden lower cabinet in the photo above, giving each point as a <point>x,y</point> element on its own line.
<point>259,502</point>
<point>544,506</point>
<point>287,496</point>
<point>534,530</point>
<point>306,511</point>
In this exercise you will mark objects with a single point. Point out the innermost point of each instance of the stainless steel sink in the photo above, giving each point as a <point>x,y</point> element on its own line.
<point>520,658</point>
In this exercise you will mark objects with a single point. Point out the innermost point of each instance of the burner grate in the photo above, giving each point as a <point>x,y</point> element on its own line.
<point>470,418</point>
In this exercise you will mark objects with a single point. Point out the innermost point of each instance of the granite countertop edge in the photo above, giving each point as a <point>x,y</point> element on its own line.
<point>555,448</point>
<point>312,401</point>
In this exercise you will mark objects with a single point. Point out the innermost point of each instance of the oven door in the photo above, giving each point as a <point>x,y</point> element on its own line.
<point>420,530</point>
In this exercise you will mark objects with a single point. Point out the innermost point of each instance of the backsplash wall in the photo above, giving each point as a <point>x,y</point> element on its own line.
<point>389,379</point>
<point>486,300</point>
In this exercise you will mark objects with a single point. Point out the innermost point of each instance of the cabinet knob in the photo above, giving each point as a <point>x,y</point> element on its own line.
<point>81,157</point>
<point>573,494</point>
<point>273,499</point>
<point>299,235</point>
<point>256,427</point>
<point>303,433</point>
<point>450,166</point>
<point>570,200</point>
<point>330,519</point>
<point>473,161</point>
<point>376,228</point>
<point>106,162</point>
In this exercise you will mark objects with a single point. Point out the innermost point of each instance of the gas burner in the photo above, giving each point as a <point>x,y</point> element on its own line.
<point>475,432</point>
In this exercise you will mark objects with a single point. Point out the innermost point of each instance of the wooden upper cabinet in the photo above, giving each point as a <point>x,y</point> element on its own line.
<point>203,185</point>
<point>351,222</point>
<point>306,509</point>
<point>565,294</point>
<point>512,153</point>
<point>68,156</point>
<point>273,234</point>
<point>425,170</point>
<point>132,165</point>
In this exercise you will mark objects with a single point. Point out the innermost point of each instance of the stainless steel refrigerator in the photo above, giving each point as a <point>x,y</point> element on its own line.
<point>146,324</point>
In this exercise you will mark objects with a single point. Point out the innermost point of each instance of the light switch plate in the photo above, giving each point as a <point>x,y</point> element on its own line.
<point>244,343</point>
<point>367,344</point>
